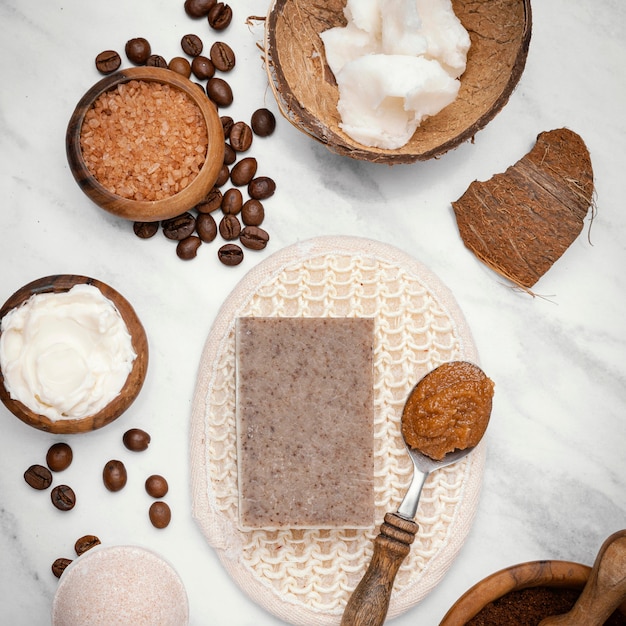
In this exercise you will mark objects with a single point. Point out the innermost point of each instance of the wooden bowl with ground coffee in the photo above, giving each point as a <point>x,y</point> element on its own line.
<point>319,79</point>
<point>145,144</point>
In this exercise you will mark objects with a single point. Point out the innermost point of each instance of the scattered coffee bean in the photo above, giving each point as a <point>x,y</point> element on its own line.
<point>222,56</point>
<point>181,66</point>
<point>108,61</point>
<point>206,227</point>
<point>136,440</point>
<point>219,91</point>
<point>212,202</point>
<point>223,176</point>
<point>244,171</point>
<point>253,237</point>
<point>202,67</point>
<point>63,498</point>
<point>263,122</point>
<point>230,254</point>
<point>232,201</point>
<point>240,137</point>
<point>229,227</point>
<point>180,227</point>
<point>220,16</point>
<point>156,60</point>
<point>114,475</point>
<point>198,8</point>
<point>59,565</point>
<point>191,45</point>
<point>160,514</point>
<point>86,543</point>
<point>187,248</point>
<point>230,156</point>
<point>261,188</point>
<point>252,212</point>
<point>145,230</point>
<point>137,50</point>
<point>38,477</point>
<point>156,486</point>
<point>59,457</point>
<point>227,124</point>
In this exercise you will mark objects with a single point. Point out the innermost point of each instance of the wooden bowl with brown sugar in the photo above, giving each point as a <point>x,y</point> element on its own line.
<point>145,144</point>
<point>130,390</point>
<point>307,93</point>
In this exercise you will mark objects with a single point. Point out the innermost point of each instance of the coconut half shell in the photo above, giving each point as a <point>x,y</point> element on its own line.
<point>307,94</point>
<point>521,221</point>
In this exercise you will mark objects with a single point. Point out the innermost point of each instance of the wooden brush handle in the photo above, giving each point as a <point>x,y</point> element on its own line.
<point>605,589</point>
<point>369,602</point>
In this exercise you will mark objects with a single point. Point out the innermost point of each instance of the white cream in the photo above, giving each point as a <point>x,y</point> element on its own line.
<point>65,355</point>
<point>396,62</point>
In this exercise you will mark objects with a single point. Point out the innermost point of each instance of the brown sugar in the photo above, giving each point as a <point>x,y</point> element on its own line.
<point>305,422</point>
<point>144,140</point>
<point>449,410</point>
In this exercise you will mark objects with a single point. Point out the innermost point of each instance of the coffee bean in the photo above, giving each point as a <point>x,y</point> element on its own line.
<point>263,122</point>
<point>212,202</point>
<point>198,8</point>
<point>181,66</point>
<point>114,475</point>
<point>180,227</point>
<point>59,457</point>
<point>229,227</point>
<point>202,67</point>
<point>136,440</point>
<point>220,16</point>
<point>108,61</point>
<point>63,498</point>
<point>219,91</point>
<point>86,543</point>
<point>232,202</point>
<point>137,50</point>
<point>59,565</point>
<point>156,486</point>
<point>156,60</point>
<point>230,156</point>
<point>38,477</point>
<point>230,254</point>
<point>227,124</point>
<point>261,188</point>
<point>187,248</point>
<point>244,171</point>
<point>223,176</point>
<point>240,137</point>
<point>252,212</point>
<point>206,227</point>
<point>254,238</point>
<point>191,45</point>
<point>145,230</point>
<point>160,514</point>
<point>222,56</point>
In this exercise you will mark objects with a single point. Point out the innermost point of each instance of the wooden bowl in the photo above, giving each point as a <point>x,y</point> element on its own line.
<point>147,211</point>
<point>134,382</point>
<point>307,94</point>
<point>565,574</point>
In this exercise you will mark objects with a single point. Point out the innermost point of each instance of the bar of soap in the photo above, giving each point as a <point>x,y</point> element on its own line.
<point>305,422</point>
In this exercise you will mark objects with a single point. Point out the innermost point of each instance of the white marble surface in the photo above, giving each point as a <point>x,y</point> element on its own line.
<point>555,481</point>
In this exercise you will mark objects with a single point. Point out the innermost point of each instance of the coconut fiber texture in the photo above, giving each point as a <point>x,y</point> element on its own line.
<point>520,222</point>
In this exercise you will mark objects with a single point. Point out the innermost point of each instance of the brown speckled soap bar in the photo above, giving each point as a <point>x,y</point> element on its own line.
<point>305,422</point>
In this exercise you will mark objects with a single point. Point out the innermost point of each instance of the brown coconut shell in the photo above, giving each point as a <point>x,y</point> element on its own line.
<point>307,94</point>
<point>521,221</point>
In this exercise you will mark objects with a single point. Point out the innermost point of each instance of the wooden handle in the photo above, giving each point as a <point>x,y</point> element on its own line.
<point>605,589</point>
<point>370,600</point>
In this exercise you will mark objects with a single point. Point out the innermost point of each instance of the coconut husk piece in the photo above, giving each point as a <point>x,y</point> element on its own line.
<point>307,94</point>
<point>521,221</point>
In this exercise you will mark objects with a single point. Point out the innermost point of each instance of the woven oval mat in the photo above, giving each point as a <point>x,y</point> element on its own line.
<point>305,577</point>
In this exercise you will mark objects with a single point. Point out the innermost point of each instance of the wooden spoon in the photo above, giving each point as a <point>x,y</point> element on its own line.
<point>605,589</point>
<point>369,602</point>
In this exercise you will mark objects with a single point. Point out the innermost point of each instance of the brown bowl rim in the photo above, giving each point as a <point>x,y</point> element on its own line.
<point>292,110</point>
<point>58,283</point>
<point>146,210</point>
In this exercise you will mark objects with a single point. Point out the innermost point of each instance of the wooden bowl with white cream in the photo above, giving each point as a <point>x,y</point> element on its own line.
<point>308,96</point>
<point>51,377</point>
